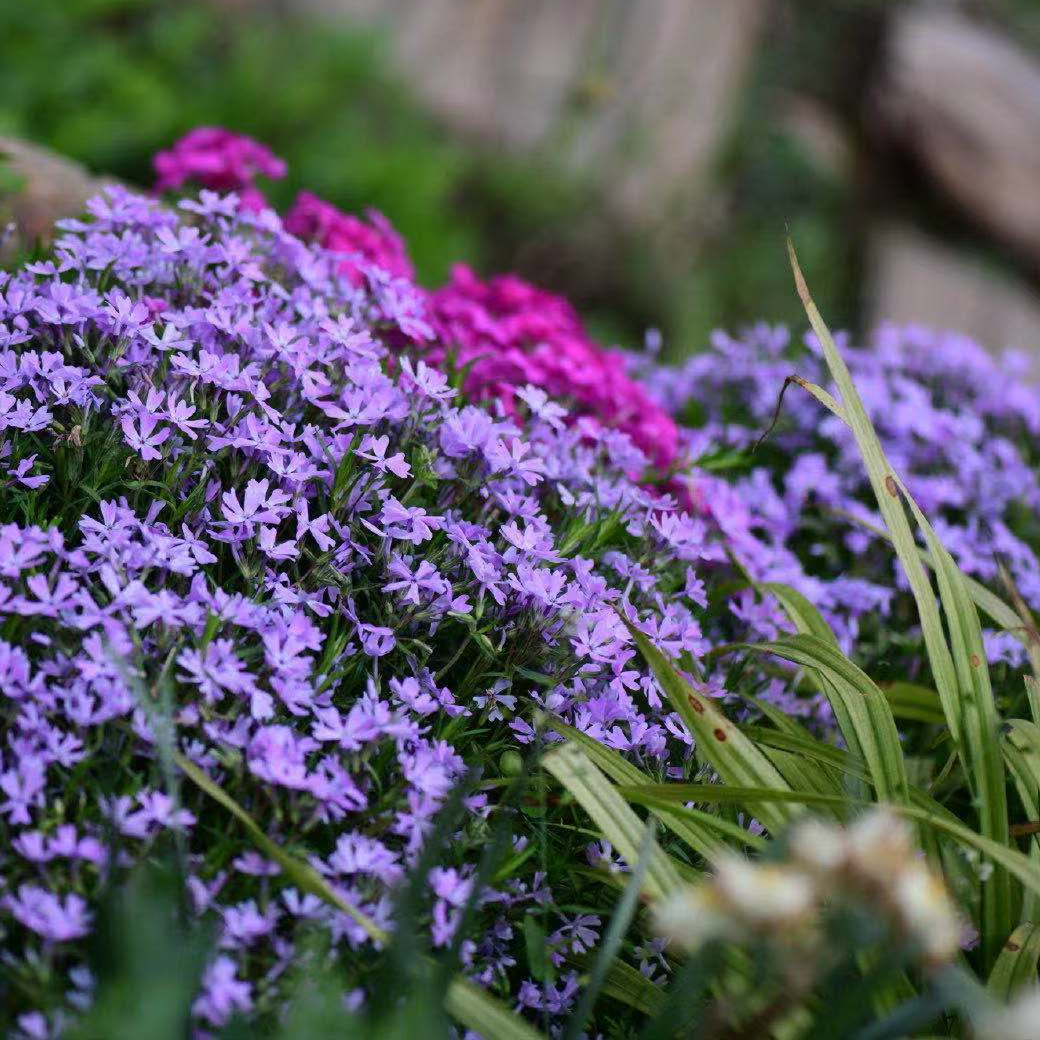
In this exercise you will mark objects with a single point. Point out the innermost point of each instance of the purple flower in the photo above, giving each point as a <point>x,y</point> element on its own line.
<point>223,993</point>
<point>50,916</point>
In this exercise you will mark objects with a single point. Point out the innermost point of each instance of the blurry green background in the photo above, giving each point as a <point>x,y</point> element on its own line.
<point>109,82</point>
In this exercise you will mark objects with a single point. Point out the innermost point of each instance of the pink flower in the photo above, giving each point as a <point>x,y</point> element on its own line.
<point>516,337</point>
<point>376,241</point>
<point>221,160</point>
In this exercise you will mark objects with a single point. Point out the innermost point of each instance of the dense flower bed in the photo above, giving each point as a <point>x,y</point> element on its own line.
<point>956,420</point>
<point>232,510</point>
<point>340,540</point>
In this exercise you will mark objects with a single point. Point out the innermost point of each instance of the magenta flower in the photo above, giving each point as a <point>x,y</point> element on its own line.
<point>513,335</point>
<point>375,242</point>
<point>219,159</point>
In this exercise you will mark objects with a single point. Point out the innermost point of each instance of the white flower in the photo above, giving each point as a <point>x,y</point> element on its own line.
<point>692,916</point>
<point>922,903</point>
<point>818,846</point>
<point>879,845</point>
<point>1019,1021</point>
<point>764,894</point>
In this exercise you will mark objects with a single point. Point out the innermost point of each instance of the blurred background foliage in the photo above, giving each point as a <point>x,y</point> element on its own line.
<point>109,82</point>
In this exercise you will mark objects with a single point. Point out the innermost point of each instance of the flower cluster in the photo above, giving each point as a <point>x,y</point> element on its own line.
<point>346,543</point>
<point>374,240</point>
<point>956,422</point>
<point>507,333</point>
<point>244,521</point>
<point>218,159</point>
<point>871,865</point>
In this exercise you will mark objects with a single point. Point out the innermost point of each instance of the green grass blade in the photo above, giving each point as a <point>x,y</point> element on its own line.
<point>719,742</point>
<point>1016,966</point>
<point>464,1001</point>
<point>1021,748</point>
<point>959,667</point>
<point>303,875</point>
<point>1002,857</point>
<point>631,987</point>
<point>809,747</point>
<point>981,729</point>
<point>700,838</point>
<point>808,621</point>
<point>886,491</point>
<point>472,1007</point>
<point>868,718</point>
<point>679,794</point>
<point>803,614</point>
<point>615,820</point>
<point>610,944</point>
<point>914,703</point>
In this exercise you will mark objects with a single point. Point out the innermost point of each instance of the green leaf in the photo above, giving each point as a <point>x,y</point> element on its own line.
<point>914,703</point>
<point>632,987</point>
<point>868,722</point>
<point>469,1005</point>
<point>719,742</point>
<point>959,667</point>
<point>1016,966</point>
<point>699,835</point>
<point>615,820</point>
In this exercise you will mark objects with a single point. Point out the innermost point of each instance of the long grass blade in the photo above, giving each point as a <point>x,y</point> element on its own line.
<point>718,741</point>
<point>631,987</point>
<point>612,816</point>
<point>464,1001</point>
<point>303,875</point>
<point>867,716</point>
<point>959,667</point>
<point>610,944</point>
<point>700,838</point>
<point>469,1005</point>
<point>1016,965</point>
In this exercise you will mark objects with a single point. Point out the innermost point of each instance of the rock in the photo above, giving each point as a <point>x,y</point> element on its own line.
<point>965,102</point>
<point>38,187</point>
<point>637,95</point>
<point>916,279</point>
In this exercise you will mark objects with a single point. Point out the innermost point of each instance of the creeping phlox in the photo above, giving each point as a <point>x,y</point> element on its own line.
<point>957,422</point>
<point>245,519</point>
